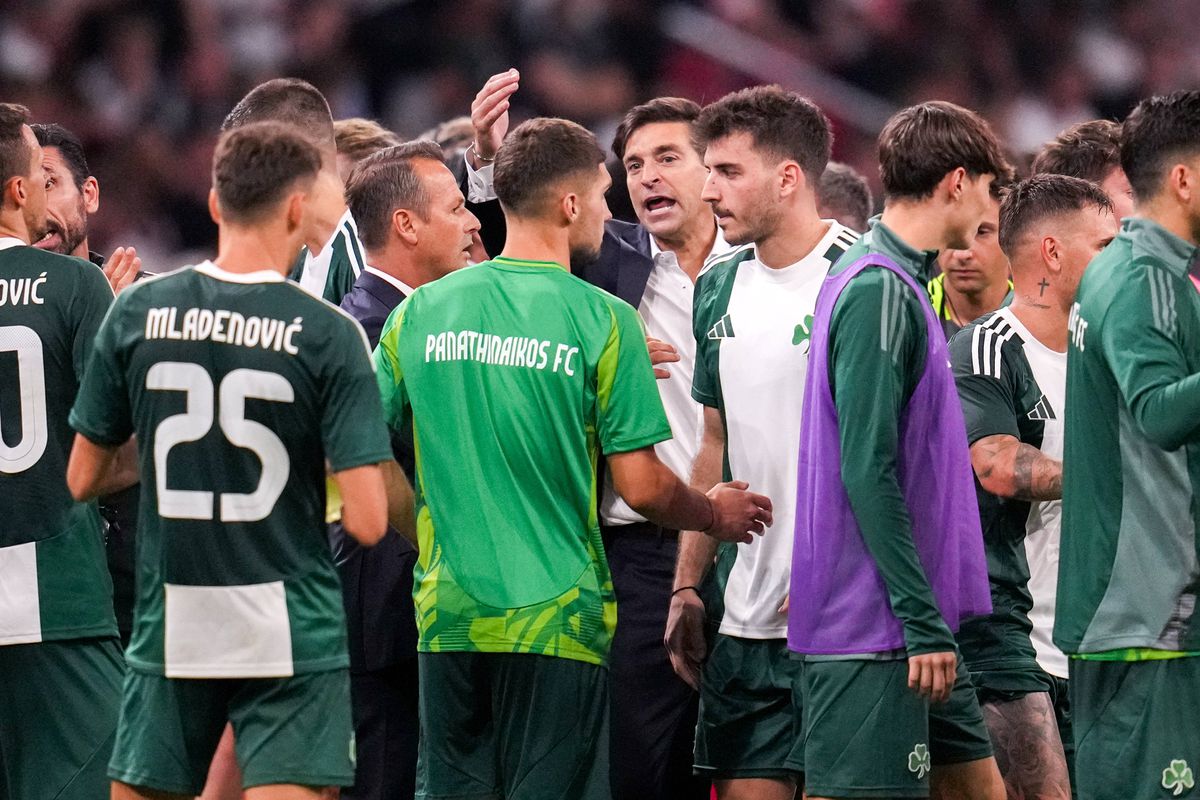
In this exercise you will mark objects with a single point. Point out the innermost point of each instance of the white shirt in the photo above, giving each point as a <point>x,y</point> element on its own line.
<point>316,268</point>
<point>1043,528</point>
<point>666,308</point>
<point>400,285</point>
<point>10,241</point>
<point>763,364</point>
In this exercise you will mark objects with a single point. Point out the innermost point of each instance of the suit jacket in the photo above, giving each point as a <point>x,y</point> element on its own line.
<point>377,582</point>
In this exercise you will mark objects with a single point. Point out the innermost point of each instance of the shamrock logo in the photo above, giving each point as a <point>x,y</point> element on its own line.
<point>1178,776</point>
<point>803,333</point>
<point>919,761</point>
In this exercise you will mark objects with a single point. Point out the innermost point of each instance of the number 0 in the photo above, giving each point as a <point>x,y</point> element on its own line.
<point>196,421</point>
<point>31,380</point>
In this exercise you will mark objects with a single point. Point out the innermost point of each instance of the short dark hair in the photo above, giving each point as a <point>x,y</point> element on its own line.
<point>356,138</point>
<point>1041,196</point>
<point>255,166</point>
<point>780,122</point>
<point>538,154</point>
<point>14,149</point>
<point>290,101</point>
<point>1159,131</point>
<point>843,189</point>
<point>51,134</point>
<point>1089,150</point>
<point>660,109</point>
<point>385,181</point>
<point>921,144</point>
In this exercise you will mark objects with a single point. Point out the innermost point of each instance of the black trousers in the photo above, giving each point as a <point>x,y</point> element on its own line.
<point>653,720</point>
<point>386,732</point>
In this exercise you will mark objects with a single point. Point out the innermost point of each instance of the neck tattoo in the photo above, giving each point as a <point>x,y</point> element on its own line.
<point>1043,284</point>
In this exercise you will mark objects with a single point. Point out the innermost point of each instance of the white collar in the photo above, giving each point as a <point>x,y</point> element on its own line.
<point>11,241</point>
<point>403,287</point>
<point>719,245</point>
<point>259,276</point>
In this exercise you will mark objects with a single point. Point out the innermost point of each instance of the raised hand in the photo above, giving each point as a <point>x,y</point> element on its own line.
<point>489,115</point>
<point>122,268</point>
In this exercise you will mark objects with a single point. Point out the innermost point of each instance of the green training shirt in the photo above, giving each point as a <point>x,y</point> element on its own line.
<point>54,581</point>
<point>331,273</point>
<point>873,372</point>
<point>513,373</point>
<point>239,387</point>
<point>1129,575</point>
<point>1011,384</point>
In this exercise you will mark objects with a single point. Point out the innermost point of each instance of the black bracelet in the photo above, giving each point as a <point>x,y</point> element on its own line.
<point>695,589</point>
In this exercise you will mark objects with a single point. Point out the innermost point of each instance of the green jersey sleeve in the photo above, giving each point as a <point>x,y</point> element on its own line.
<point>873,370</point>
<point>705,381</point>
<point>102,410</point>
<point>1143,340</point>
<point>91,303</point>
<point>987,390</point>
<point>389,375</point>
<point>352,427</point>
<point>630,411</point>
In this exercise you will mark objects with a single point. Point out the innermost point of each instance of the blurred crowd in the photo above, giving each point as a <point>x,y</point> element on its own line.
<point>146,84</point>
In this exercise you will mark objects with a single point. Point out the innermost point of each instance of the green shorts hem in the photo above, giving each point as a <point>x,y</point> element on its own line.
<point>816,790</point>
<point>294,779</point>
<point>485,796</point>
<point>963,756</point>
<point>724,773</point>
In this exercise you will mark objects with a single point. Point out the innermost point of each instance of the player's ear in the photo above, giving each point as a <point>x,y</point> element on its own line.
<point>570,206</point>
<point>296,202</point>
<point>954,184</point>
<point>791,178</point>
<point>404,225</point>
<point>91,195</point>
<point>1052,254</point>
<point>214,208</point>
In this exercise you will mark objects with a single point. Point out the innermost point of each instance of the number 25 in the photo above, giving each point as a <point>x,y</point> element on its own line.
<point>193,424</point>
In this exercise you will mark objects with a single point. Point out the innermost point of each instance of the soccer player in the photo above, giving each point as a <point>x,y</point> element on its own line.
<point>888,558</point>
<point>416,228</point>
<point>330,270</point>
<point>240,388</point>
<point>1010,368</point>
<point>652,265</point>
<point>974,280</point>
<point>1091,151</point>
<point>60,658</point>
<point>765,149</point>
<point>843,195</point>
<point>514,373</point>
<point>1128,576</point>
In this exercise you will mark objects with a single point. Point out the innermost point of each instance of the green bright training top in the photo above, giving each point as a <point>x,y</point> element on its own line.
<point>513,373</point>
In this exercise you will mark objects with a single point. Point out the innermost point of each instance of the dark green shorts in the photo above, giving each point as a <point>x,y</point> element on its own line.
<point>58,715</point>
<point>750,722</point>
<point>512,725</point>
<point>868,735</point>
<point>286,730</point>
<point>1137,728</point>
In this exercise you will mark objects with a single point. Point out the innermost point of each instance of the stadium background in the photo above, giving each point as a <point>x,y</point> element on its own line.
<point>146,84</point>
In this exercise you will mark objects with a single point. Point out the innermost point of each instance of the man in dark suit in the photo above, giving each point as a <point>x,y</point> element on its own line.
<point>415,228</point>
<point>652,265</point>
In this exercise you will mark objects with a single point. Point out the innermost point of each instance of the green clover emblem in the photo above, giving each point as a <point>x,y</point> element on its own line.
<point>919,761</point>
<point>802,334</point>
<point>1178,776</point>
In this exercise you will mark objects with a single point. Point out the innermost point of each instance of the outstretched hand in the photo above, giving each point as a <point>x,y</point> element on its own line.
<point>661,353</point>
<point>737,513</point>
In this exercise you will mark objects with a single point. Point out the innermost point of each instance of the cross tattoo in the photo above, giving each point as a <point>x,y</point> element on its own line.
<point>1043,284</point>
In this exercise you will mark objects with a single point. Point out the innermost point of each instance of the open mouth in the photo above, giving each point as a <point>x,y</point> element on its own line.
<point>659,203</point>
<point>50,240</point>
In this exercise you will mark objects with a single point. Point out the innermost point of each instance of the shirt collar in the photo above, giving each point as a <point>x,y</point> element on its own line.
<point>1148,238</point>
<point>719,247</point>
<point>918,263</point>
<point>400,285</point>
<point>259,276</point>
<point>11,241</point>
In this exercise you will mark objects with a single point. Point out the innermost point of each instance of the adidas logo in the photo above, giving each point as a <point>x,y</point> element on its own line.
<point>723,329</point>
<point>1042,410</point>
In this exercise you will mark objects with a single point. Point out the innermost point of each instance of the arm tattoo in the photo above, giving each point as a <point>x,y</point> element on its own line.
<point>1035,475</point>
